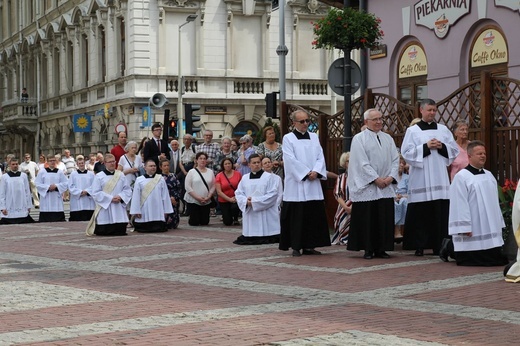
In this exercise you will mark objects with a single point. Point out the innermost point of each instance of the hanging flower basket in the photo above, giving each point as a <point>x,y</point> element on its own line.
<point>347,29</point>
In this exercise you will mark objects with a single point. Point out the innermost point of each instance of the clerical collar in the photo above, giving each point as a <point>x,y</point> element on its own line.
<point>475,170</point>
<point>423,125</point>
<point>301,135</point>
<point>149,176</point>
<point>82,172</point>
<point>107,172</point>
<point>14,174</point>
<point>51,170</point>
<point>373,131</point>
<point>256,175</point>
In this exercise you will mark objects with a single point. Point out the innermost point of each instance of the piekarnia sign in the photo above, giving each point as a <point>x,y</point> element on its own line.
<point>439,15</point>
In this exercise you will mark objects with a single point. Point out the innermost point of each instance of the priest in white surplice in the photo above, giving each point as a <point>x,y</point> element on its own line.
<point>373,167</point>
<point>303,218</point>
<point>15,196</point>
<point>51,184</point>
<point>512,270</point>
<point>150,201</point>
<point>476,220</point>
<point>111,193</point>
<point>429,148</point>
<point>257,197</point>
<point>82,204</point>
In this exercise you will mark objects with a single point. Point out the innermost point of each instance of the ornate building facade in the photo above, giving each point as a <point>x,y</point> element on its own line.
<point>104,59</point>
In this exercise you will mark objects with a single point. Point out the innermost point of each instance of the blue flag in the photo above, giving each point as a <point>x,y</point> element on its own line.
<point>81,123</point>
<point>146,120</point>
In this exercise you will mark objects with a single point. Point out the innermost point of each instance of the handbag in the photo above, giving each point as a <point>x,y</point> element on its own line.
<point>213,202</point>
<point>234,206</point>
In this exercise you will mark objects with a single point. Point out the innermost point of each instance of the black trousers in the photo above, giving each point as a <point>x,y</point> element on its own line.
<point>229,212</point>
<point>199,214</point>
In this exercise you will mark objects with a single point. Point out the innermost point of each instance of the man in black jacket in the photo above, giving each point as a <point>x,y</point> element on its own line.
<point>156,148</point>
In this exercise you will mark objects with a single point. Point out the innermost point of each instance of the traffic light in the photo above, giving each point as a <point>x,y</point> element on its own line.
<point>191,118</point>
<point>172,130</point>
<point>270,105</point>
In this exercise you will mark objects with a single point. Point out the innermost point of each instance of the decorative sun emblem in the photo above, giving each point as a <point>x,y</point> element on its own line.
<point>145,115</point>
<point>82,122</point>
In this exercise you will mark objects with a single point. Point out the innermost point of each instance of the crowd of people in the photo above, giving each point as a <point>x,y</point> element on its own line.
<point>432,193</point>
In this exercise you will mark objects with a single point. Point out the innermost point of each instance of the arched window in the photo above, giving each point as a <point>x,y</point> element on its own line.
<point>412,74</point>
<point>245,128</point>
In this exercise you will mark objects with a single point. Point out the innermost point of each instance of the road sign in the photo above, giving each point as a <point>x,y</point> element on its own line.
<point>336,78</point>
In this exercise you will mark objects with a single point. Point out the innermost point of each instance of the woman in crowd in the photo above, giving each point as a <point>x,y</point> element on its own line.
<point>244,152</point>
<point>174,188</point>
<point>200,187</point>
<point>235,145</point>
<point>342,217</point>
<point>272,149</point>
<point>225,151</point>
<point>42,163</point>
<point>91,162</point>
<point>226,182</point>
<point>460,131</point>
<point>401,201</point>
<point>130,163</point>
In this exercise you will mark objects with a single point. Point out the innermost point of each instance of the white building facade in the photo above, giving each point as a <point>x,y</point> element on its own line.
<point>106,58</point>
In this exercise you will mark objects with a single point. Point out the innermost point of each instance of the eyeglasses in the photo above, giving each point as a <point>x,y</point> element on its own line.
<point>158,129</point>
<point>376,119</point>
<point>303,121</point>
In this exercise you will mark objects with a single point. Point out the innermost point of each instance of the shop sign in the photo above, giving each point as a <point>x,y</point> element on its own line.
<point>215,110</point>
<point>511,4</point>
<point>439,15</point>
<point>413,62</point>
<point>489,49</point>
<point>378,52</point>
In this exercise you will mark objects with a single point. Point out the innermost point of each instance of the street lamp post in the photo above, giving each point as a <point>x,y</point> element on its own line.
<point>180,84</point>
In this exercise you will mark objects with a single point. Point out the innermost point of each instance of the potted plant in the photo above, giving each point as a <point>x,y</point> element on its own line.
<point>347,29</point>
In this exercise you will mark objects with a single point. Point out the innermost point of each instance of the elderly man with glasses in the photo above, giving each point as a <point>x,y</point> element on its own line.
<point>303,219</point>
<point>373,168</point>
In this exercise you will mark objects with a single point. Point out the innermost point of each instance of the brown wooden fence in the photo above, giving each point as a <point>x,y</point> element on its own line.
<point>490,105</point>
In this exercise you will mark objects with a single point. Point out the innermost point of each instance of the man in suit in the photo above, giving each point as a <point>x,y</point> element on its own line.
<point>156,148</point>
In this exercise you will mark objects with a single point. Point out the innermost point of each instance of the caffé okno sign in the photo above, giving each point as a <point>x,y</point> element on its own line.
<point>490,48</point>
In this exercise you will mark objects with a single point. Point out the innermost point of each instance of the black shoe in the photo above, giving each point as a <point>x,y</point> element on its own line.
<point>419,252</point>
<point>296,253</point>
<point>444,252</point>
<point>368,255</point>
<point>310,252</point>
<point>381,254</point>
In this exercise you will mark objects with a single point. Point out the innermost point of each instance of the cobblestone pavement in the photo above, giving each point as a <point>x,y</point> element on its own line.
<point>192,286</point>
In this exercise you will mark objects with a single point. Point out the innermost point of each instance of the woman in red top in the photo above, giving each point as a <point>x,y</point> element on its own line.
<point>226,182</point>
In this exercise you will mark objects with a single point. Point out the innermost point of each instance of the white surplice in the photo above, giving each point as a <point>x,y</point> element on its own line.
<point>51,200</point>
<point>301,156</point>
<point>77,184</point>
<point>371,158</point>
<point>474,207</point>
<point>262,218</point>
<point>15,196</point>
<point>428,176</point>
<point>111,212</point>
<point>156,204</point>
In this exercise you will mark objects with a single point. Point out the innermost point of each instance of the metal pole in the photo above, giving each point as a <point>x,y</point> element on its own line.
<point>180,111</point>
<point>180,84</point>
<point>282,51</point>
<point>347,140</point>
